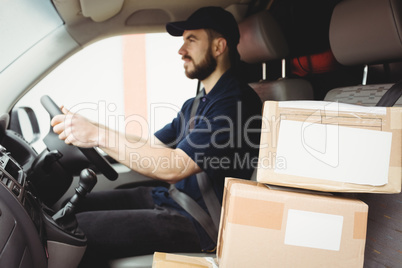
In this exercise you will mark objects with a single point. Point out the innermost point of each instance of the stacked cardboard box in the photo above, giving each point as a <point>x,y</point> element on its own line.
<point>289,217</point>
<point>331,147</point>
<point>265,227</point>
<point>322,147</point>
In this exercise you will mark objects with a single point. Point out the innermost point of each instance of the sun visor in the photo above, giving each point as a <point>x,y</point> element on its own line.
<point>100,10</point>
<point>366,31</point>
<point>261,39</point>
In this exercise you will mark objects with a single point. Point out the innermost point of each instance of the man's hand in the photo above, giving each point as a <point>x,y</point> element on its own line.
<point>147,159</point>
<point>76,129</point>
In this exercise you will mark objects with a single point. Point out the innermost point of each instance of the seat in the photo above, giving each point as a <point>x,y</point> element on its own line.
<point>262,40</point>
<point>357,36</point>
<point>365,32</point>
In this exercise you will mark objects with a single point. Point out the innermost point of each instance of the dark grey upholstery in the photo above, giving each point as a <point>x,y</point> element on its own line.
<point>366,31</point>
<point>367,95</point>
<point>262,40</point>
<point>284,89</point>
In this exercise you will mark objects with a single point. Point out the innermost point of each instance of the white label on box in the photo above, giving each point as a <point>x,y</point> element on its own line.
<point>332,152</point>
<point>313,230</point>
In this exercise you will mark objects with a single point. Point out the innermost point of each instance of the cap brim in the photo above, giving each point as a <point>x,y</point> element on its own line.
<point>177,28</point>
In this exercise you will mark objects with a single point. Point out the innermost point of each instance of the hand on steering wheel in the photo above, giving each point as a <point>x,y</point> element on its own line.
<point>85,134</point>
<point>67,150</point>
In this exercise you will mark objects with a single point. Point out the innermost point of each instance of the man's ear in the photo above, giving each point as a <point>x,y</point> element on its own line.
<point>220,46</point>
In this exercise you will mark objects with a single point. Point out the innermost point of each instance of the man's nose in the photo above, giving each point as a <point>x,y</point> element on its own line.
<point>182,50</point>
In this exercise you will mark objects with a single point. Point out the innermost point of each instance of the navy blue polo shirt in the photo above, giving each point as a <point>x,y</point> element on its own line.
<point>224,141</point>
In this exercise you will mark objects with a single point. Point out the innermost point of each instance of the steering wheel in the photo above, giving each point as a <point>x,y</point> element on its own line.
<point>72,156</point>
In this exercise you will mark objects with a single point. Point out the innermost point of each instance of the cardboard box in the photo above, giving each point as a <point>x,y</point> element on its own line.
<point>261,227</point>
<point>334,147</point>
<point>167,260</point>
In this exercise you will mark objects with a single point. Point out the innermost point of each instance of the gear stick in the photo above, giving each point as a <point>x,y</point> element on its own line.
<point>65,217</point>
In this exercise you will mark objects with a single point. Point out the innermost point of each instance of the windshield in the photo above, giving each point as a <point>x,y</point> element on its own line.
<point>22,24</point>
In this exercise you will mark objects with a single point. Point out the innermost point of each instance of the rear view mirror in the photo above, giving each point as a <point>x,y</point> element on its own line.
<point>24,122</point>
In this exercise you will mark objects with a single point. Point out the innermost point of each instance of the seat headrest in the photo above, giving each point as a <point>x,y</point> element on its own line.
<point>261,39</point>
<point>366,31</point>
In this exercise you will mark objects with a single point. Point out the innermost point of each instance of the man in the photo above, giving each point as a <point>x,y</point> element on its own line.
<point>218,136</point>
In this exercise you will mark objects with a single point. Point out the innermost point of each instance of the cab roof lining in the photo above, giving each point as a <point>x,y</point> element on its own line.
<point>91,20</point>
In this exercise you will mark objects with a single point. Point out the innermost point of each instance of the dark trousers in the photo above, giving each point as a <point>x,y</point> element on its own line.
<point>126,222</point>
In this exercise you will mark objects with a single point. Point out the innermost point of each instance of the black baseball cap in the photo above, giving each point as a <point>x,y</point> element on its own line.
<point>215,18</point>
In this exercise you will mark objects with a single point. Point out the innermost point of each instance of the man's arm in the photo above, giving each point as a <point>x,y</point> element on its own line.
<point>148,157</point>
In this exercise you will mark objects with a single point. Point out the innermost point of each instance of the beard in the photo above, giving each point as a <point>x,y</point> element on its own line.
<point>204,69</point>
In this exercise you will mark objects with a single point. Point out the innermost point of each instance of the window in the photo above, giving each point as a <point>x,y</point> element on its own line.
<point>128,83</point>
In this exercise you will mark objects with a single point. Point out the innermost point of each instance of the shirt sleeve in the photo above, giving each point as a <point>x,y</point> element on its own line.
<point>171,133</point>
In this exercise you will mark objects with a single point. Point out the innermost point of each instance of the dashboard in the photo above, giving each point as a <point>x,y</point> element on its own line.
<point>29,184</point>
<point>11,174</point>
<point>21,232</point>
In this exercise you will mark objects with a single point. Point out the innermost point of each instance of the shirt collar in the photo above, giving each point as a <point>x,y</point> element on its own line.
<point>221,87</point>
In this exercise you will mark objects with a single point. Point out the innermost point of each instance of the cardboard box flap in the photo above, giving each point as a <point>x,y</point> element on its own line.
<point>167,260</point>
